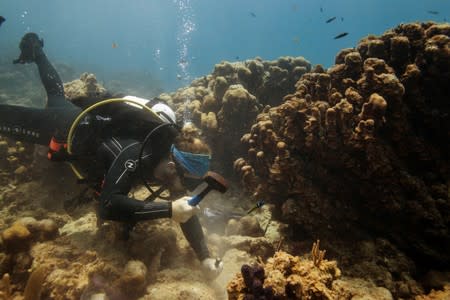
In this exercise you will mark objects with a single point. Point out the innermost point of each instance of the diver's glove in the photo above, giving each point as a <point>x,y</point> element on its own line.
<point>30,47</point>
<point>182,211</point>
<point>212,267</point>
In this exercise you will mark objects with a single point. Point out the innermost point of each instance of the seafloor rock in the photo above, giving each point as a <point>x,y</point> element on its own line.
<point>358,289</point>
<point>15,161</point>
<point>133,280</point>
<point>247,225</point>
<point>255,246</point>
<point>40,230</point>
<point>85,90</point>
<point>189,285</point>
<point>436,294</point>
<point>365,141</point>
<point>16,238</point>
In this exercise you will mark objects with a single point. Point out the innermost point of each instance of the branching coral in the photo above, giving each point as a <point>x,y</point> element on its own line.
<point>317,255</point>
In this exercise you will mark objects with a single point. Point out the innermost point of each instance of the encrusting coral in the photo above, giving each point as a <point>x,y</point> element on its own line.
<point>366,139</point>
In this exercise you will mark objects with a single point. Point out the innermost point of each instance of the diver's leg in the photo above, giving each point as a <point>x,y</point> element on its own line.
<point>52,83</point>
<point>35,125</point>
<point>32,51</point>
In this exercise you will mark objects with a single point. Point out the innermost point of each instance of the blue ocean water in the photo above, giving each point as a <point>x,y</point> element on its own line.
<point>176,41</point>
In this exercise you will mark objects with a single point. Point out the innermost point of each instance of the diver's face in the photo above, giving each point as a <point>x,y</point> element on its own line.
<point>165,171</point>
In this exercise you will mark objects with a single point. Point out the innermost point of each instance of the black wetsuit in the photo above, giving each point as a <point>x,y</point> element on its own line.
<point>114,157</point>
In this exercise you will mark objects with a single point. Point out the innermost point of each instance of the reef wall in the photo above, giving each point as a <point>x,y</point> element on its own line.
<point>363,147</point>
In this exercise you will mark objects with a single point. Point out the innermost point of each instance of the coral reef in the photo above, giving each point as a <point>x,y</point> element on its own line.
<point>284,276</point>
<point>366,139</point>
<point>436,295</point>
<point>247,225</point>
<point>15,161</point>
<point>85,91</point>
<point>362,141</point>
<point>291,277</point>
<point>225,103</point>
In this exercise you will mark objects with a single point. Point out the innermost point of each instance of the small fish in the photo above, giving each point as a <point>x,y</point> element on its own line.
<point>179,77</point>
<point>258,204</point>
<point>321,9</point>
<point>342,19</point>
<point>433,12</point>
<point>237,57</point>
<point>252,14</point>
<point>330,20</point>
<point>114,45</point>
<point>2,19</point>
<point>296,40</point>
<point>340,35</point>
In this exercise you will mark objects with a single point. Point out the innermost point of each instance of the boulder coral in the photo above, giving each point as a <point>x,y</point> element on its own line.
<point>365,140</point>
<point>225,103</point>
<point>85,90</point>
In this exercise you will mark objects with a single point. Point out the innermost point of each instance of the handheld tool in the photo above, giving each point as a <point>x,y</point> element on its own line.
<point>215,182</point>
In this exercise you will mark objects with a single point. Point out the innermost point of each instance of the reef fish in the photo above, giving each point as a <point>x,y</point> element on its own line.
<point>433,12</point>
<point>341,35</point>
<point>330,20</point>
<point>2,19</point>
<point>253,14</point>
<point>258,204</point>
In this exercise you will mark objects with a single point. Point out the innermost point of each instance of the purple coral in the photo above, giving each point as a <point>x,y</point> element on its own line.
<point>254,280</point>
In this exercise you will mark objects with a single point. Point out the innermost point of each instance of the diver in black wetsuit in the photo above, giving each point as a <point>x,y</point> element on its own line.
<point>112,152</point>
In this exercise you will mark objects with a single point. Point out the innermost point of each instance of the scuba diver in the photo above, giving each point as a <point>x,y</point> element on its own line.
<point>116,145</point>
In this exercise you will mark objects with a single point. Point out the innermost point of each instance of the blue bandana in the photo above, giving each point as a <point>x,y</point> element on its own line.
<point>195,164</point>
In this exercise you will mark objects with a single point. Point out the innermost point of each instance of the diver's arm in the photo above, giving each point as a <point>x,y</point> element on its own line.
<point>115,204</point>
<point>114,201</point>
